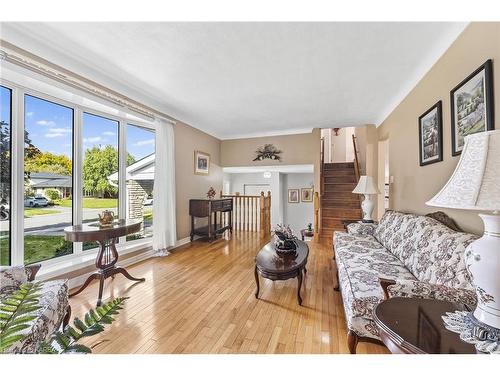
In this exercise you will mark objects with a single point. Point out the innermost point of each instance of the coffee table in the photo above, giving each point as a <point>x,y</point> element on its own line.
<point>414,326</point>
<point>273,266</point>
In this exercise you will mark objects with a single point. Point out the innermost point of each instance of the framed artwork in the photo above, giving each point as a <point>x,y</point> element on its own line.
<point>472,106</point>
<point>293,195</point>
<point>430,133</point>
<point>201,163</point>
<point>306,194</point>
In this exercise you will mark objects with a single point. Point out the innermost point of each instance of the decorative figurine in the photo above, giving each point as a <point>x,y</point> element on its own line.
<point>106,218</point>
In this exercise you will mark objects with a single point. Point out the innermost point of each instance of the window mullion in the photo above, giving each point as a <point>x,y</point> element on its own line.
<point>122,169</point>
<point>77,194</point>
<point>17,208</point>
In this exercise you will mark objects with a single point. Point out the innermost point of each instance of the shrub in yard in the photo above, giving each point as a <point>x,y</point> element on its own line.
<point>52,194</point>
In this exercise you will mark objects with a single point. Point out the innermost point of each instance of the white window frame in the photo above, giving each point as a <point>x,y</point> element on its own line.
<point>78,258</point>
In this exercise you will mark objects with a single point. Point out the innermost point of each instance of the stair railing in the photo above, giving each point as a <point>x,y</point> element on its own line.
<point>356,160</point>
<point>322,165</point>
<point>251,213</point>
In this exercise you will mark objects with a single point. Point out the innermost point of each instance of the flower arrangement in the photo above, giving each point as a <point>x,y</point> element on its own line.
<point>211,193</point>
<point>285,239</point>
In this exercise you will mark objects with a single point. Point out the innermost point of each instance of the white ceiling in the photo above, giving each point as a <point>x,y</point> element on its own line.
<point>234,80</point>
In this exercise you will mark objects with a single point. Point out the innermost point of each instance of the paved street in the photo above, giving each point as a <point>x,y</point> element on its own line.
<point>50,224</point>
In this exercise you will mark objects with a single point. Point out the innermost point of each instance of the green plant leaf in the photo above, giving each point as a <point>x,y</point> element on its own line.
<point>15,315</point>
<point>93,324</point>
<point>78,348</point>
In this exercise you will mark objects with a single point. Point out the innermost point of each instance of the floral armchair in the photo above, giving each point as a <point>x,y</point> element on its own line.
<point>53,301</point>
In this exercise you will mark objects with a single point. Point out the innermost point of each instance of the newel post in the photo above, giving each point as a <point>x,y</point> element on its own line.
<point>262,212</point>
<point>268,213</point>
<point>316,215</point>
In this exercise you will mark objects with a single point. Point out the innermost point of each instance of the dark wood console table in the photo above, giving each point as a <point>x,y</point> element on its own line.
<point>209,208</point>
<point>107,256</point>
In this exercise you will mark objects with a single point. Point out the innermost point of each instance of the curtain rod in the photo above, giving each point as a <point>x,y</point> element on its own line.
<point>37,64</point>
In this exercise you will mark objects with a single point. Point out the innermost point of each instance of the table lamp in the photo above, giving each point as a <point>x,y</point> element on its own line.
<point>366,185</point>
<point>475,185</point>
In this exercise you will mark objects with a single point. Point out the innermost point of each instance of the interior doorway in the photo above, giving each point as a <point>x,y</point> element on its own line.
<point>383,202</point>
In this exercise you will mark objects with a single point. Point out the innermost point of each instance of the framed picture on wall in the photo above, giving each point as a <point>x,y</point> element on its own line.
<point>306,194</point>
<point>430,133</point>
<point>472,106</point>
<point>201,163</point>
<point>293,195</point>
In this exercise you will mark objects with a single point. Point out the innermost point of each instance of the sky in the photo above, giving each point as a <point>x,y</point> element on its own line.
<point>50,129</point>
<point>4,104</point>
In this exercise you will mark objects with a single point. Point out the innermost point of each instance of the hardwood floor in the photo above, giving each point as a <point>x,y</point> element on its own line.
<point>200,299</point>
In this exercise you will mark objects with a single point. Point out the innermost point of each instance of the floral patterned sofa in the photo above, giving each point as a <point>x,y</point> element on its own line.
<point>423,258</point>
<point>53,301</point>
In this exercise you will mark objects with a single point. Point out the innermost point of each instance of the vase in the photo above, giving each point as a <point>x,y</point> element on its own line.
<point>483,263</point>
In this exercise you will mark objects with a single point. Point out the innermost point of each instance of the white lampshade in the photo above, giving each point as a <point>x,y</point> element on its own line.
<point>475,184</point>
<point>366,185</point>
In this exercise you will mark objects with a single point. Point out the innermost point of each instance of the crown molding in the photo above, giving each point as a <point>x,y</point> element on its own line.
<point>22,58</point>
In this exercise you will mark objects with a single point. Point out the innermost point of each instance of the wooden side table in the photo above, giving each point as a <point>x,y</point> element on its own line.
<point>107,255</point>
<point>306,233</point>
<point>415,326</point>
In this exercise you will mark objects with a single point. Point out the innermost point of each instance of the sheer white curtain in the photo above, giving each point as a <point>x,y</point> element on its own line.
<point>164,231</point>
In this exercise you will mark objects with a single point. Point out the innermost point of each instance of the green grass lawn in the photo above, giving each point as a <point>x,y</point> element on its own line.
<point>38,248</point>
<point>30,212</point>
<point>90,202</point>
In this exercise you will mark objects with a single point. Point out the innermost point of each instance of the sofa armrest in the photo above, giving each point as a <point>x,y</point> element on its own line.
<point>385,283</point>
<point>422,289</point>
<point>361,228</point>
<point>31,271</point>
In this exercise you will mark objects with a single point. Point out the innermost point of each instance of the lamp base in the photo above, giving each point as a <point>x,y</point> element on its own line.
<point>367,206</point>
<point>482,259</point>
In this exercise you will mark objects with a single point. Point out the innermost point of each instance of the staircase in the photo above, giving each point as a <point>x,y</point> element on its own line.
<point>337,201</point>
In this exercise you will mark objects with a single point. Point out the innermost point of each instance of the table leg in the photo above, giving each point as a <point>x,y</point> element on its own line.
<point>257,282</point>
<point>299,298</point>
<point>124,272</point>
<point>101,287</point>
<point>93,276</point>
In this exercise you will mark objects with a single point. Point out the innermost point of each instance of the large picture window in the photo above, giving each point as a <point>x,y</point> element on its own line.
<point>63,164</point>
<point>48,167</point>
<point>5,173</point>
<point>140,178</point>
<point>100,165</point>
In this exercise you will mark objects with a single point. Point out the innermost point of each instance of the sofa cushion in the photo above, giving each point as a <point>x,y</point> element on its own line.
<point>355,246</point>
<point>53,303</point>
<point>433,252</point>
<point>361,261</point>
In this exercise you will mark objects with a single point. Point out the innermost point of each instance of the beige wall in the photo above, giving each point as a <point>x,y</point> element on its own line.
<point>366,143</point>
<point>414,185</point>
<point>297,149</point>
<point>188,184</point>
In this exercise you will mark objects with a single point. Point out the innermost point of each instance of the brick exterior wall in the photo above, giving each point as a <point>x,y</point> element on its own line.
<point>137,191</point>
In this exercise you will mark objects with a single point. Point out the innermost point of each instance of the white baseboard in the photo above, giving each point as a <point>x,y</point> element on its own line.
<point>79,280</point>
